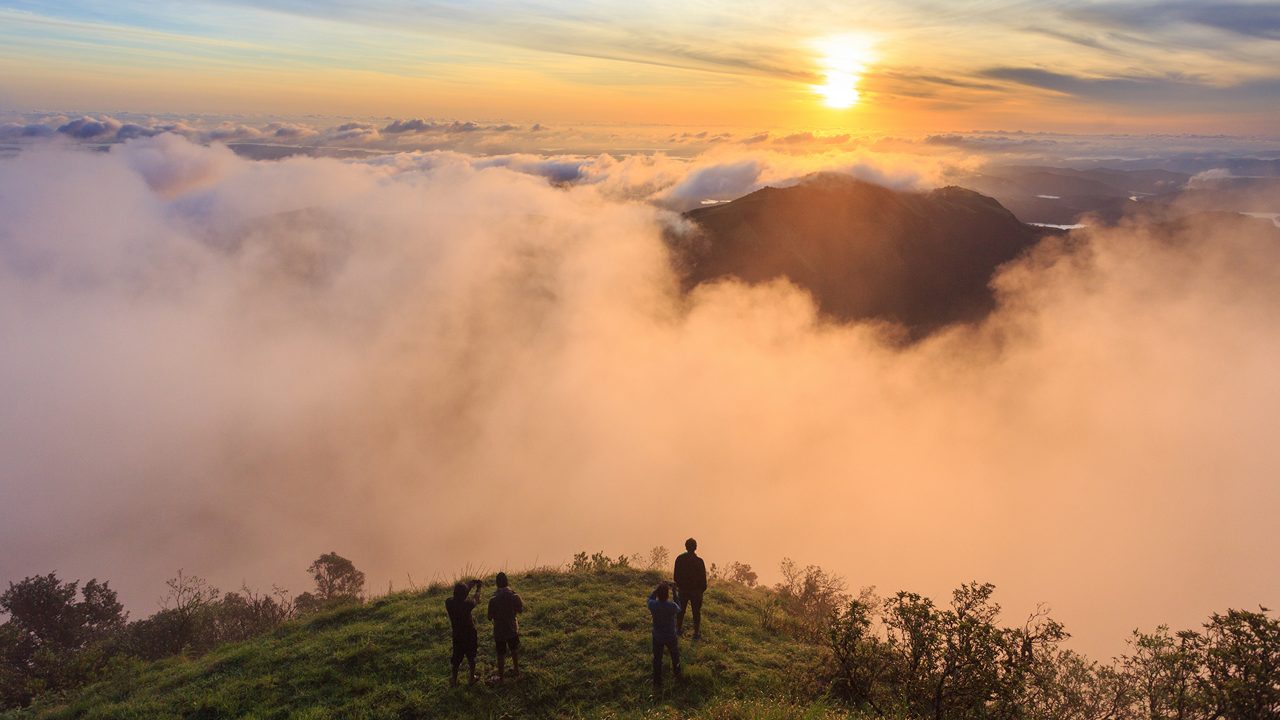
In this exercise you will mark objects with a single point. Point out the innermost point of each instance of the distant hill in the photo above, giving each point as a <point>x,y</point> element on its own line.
<point>1039,194</point>
<point>585,653</point>
<point>865,252</point>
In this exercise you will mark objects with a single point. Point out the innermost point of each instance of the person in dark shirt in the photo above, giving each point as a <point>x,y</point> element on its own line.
<point>465,640</point>
<point>664,612</point>
<point>503,608</point>
<point>691,576</point>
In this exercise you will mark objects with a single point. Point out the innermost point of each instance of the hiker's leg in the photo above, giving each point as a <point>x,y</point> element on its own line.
<point>454,661</point>
<point>657,663</point>
<point>674,646</point>
<point>473,648</point>
<point>696,601</point>
<point>684,603</point>
<point>501,647</point>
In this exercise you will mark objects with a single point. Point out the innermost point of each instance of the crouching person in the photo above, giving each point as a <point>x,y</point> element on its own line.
<point>664,608</point>
<point>504,606</point>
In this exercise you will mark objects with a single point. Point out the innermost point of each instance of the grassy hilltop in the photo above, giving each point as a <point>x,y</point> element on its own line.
<point>585,653</point>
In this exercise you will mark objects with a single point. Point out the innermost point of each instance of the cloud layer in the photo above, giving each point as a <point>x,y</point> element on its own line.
<point>423,361</point>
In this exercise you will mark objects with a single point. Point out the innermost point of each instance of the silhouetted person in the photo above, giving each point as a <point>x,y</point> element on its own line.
<point>465,639</point>
<point>691,576</point>
<point>503,608</point>
<point>664,613</point>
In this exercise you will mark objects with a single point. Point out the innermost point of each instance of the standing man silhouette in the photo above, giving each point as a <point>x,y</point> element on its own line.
<point>691,576</point>
<point>503,608</point>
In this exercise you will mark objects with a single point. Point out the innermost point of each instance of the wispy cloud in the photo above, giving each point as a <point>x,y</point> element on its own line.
<point>480,56</point>
<point>1150,93</point>
<point>1255,20</point>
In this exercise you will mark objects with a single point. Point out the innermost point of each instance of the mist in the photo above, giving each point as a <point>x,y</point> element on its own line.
<point>232,366</point>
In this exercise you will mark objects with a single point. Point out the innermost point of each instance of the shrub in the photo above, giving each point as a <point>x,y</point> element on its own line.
<point>597,562</point>
<point>810,598</point>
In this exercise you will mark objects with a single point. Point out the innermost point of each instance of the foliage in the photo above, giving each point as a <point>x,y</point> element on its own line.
<point>783,652</point>
<point>861,658</point>
<point>948,662</point>
<point>659,558</point>
<point>246,614</point>
<point>195,618</point>
<point>51,640</point>
<point>1240,656</point>
<point>337,579</point>
<point>598,562</point>
<point>735,571</point>
<point>808,599</point>
<point>1229,671</point>
<point>927,661</point>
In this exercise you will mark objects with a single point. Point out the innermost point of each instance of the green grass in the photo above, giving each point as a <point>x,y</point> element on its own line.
<point>584,651</point>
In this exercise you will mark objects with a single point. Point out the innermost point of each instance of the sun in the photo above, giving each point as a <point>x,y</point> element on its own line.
<point>843,59</point>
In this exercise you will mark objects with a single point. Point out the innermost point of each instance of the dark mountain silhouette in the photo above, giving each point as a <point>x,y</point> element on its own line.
<point>865,252</point>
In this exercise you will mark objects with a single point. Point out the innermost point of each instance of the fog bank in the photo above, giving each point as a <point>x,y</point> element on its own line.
<point>232,366</point>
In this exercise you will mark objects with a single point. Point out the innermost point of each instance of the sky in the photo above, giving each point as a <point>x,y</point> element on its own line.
<point>918,66</point>
<point>392,279</point>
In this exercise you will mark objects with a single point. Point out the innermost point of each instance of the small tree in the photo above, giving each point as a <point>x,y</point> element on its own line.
<point>188,604</point>
<point>659,557</point>
<point>337,578</point>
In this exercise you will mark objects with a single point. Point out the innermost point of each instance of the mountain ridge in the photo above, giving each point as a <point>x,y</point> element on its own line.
<point>922,260</point>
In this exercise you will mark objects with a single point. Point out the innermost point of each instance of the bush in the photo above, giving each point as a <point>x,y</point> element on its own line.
<point>809,599</point>
<point>597,562</point>
<point>741,573</point>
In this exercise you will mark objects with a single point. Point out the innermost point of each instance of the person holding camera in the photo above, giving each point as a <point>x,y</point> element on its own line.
<point>465,639</point>
<point>664,606</point>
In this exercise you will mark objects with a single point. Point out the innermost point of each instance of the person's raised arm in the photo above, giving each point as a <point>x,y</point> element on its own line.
<point>475,586</point>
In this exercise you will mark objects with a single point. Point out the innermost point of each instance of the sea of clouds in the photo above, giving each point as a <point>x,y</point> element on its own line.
<point>432,359</point>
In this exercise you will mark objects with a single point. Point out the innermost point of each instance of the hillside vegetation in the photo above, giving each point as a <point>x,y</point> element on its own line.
<point>804,648</point>
<point>586,654</point>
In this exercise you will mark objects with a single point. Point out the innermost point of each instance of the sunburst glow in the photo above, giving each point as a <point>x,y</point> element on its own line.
<point>844,59</point>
